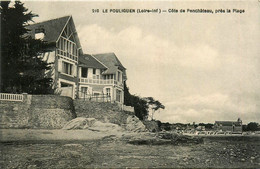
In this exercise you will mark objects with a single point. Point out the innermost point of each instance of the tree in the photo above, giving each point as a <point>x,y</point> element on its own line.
<point>154,105</point>
<point>22,70</point>
<point>207,126</point>
<point>128,98</point>
<point>139,104</point>
<point>252,126</point>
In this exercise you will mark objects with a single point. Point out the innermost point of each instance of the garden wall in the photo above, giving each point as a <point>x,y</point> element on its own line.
<point>37,111</point>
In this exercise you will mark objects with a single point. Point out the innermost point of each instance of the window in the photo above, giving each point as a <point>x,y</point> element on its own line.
<point>96,94</point>
<point>84,72</point>
<point>65,85</point>
<point>67,46</point>
<point>40,30</point>
<point>108,91</point>
<point>84,91</point>
<point>119,76</point>
<point>118,95</point>
<point>94,71</point>
<point>67,68</point>
<point>39,33</point>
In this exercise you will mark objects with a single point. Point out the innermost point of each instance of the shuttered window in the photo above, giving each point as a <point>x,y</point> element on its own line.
<point>67,68</point>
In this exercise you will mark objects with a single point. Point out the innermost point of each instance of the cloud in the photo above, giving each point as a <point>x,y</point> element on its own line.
<point>212,107</point>
<point>198,56</point>
<point>145,48</point>
<point>208,81</point>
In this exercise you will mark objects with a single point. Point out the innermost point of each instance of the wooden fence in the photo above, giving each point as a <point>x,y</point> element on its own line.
<point>11,97</point>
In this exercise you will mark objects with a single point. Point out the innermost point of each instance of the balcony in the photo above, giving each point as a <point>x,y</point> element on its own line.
<point>67,55</point>
<point>101,82</point>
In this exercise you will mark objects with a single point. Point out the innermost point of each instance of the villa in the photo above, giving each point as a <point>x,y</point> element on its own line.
<point>74,73</point>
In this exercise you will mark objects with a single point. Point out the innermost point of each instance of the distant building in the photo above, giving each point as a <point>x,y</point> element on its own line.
<point>200,128</point>
<point>231,126</point>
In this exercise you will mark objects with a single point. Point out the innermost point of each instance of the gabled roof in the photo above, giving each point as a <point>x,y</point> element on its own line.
<point>52,28</point>
<point>89,61</point>
<point>111,61</point>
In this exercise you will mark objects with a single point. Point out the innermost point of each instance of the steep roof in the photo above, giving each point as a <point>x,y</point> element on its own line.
<point>109,59</point>
<point>52,28</point>
<point>89,61</point>
<point>112,63</point>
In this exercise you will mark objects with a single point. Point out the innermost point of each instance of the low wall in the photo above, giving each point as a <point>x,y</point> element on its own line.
<point>37,111</point>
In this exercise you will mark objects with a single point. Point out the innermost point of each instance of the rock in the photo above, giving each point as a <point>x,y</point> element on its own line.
<point>100,126</point>
<point>180,139</point>
<point>77,123</point>
<point>243,159</point>
<point>134,124</point>
<point>73,145</point>
<point>152,126</point>
<point>91,121</point>
<point>164,135</point>
<point>15,108</point>
<point>252,158</point>
<point>31,166</point>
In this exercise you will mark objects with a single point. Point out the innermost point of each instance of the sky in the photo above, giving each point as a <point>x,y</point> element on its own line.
<point>202,66</point>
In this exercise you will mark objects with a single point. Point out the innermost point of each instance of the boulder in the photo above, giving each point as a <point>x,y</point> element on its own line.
<point>90,124</point>
<point>134,124</point>
<point>79,123</point>
<point>100,126</point>
<point>152,126</point>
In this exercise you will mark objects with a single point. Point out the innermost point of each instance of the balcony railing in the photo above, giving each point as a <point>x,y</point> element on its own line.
<point>101,81</point>
<point>95,98</point>
<point>67,55</point>
<point>11,97</point>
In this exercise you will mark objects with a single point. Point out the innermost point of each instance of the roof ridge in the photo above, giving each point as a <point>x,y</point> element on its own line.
<point>98,60</point>
<point>111,55</point>
<point>104,53</point>
<point>51,20</point>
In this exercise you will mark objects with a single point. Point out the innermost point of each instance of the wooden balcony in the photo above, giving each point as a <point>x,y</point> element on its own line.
<point>101,82</point>
<point>67,55</point>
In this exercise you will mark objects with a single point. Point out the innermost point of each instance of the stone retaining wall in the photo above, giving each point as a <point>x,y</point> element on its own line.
<point>37,111</point>
<point>105,112</point>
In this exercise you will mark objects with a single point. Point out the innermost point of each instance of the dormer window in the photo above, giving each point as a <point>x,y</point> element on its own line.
<point>39,33</point>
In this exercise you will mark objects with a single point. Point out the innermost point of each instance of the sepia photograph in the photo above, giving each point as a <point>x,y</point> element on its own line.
<point>130,84</point>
